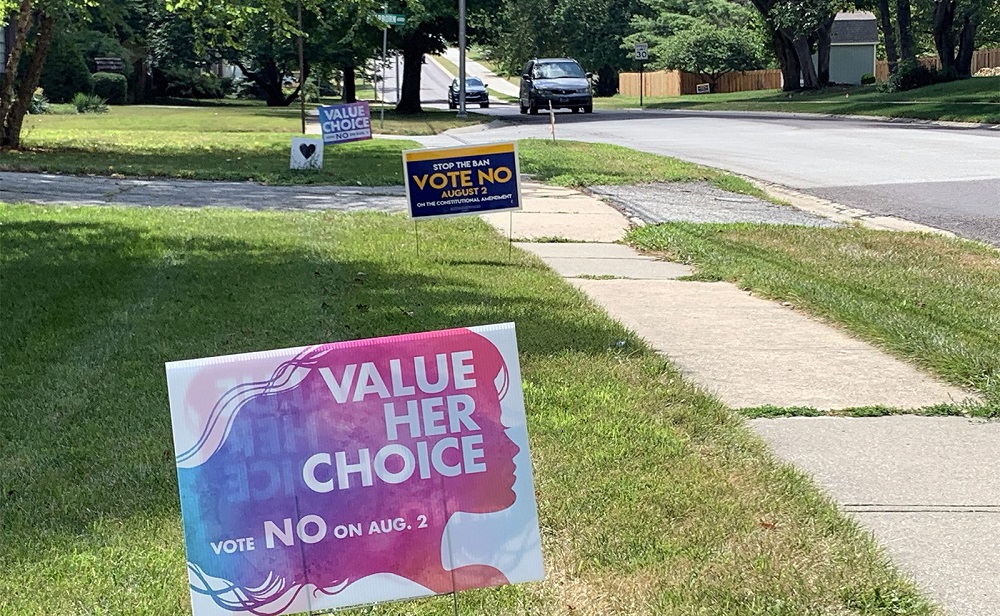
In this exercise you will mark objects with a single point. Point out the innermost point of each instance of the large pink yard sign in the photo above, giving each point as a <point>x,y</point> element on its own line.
<point>354,472</point>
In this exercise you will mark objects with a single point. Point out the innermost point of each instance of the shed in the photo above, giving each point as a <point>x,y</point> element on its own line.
<point>853,40</point>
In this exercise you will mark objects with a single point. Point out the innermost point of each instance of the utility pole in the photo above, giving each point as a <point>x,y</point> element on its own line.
<point>302,74</point>
<point>385,43</point>
<point>461,59</point>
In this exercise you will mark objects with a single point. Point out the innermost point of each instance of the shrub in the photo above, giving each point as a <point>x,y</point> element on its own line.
<point>867,79</point>
<point>39,103</point>
<point>908,76</point>
<point>112,87</point>
<point>186,83</point>
<point>248,89</point>
<point>65,71</point>
<point>88,103</point>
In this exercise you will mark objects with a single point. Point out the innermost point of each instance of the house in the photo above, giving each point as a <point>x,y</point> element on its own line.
<point>853,40</point>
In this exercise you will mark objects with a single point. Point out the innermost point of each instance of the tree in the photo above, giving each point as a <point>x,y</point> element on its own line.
<point>34,27</point>
<point>688,35</point>
<point>709,52</point>
<point>955,25</point>
<point>591,31</point>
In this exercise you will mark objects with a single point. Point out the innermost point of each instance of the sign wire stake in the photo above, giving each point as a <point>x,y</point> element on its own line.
<point>416,235</point>
<point>510,234</point>
<point>454,596</point>
<point>552,121</point>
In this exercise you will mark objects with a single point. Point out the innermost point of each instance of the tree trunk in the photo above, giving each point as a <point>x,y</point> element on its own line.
<point>809,79</point>
<point>10,137</point>
<point>903,19</point>
<point>944,40</point>
<point>791,72</point>
<point>823,43</point>
<point>966,46</point>
<point>413,60</point>
<point>350,92</point>
<point>607,81</point>
<point>21,27</point>
<point>888,35</point>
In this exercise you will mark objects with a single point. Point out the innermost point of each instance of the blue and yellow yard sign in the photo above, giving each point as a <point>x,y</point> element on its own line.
<point>462,180</point>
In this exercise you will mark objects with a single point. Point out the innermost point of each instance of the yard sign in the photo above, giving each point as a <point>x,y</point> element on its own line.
<point>354,472</point>
<point>462,180</point>
<point>344,123</point>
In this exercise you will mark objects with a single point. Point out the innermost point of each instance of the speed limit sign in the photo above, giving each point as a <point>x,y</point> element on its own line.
<point>642,51</point>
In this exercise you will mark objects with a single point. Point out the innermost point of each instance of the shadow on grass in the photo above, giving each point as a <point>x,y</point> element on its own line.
<point>93,310</point>
<point>376,164</point>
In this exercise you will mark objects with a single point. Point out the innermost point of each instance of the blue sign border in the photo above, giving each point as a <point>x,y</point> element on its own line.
<point>425,159</point>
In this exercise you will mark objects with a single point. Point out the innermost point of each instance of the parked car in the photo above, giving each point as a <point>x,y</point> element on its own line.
<point>475,92</point>
<point>559,82</point>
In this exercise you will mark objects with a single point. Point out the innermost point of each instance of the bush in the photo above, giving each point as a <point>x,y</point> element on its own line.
<point>88,103</point>
<point>908,76</point>
<point>186,83</point>
<point>248,89</point>
<point>39,103</point>
<point>867,79</point>
<point>65,71</point>
<point>112,87</point>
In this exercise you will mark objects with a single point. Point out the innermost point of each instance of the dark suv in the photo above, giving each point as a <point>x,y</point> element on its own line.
<point>556,81</point>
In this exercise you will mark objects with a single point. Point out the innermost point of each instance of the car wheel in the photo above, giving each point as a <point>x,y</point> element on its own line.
<point>533,110</point>
<point>452,105</point>
<point>577,109</point>
<point>588,108</point>
<point>484,105</point>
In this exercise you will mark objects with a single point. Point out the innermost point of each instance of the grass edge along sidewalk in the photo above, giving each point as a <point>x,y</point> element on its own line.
<point>932,300</point>
<point>653,498</point>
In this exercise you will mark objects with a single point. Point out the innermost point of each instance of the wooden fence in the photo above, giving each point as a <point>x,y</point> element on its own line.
<point>983,58</point>
<point>676,83</point>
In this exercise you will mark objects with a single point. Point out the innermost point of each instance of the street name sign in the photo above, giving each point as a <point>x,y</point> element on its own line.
<point>392,19</point>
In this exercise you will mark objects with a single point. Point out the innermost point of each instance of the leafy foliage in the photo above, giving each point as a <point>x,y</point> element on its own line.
<point>65,72</point>
<point>112,87</point>
<point>710,52</point>
<point>909,75</point>
<point>89,103</point>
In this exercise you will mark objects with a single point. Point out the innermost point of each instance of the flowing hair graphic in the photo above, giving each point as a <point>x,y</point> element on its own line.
<point>244,473</point>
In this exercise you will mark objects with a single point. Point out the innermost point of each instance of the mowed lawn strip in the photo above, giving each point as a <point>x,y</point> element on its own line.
<point>968,100</point>
<point>237,142</point>
<point>250,142</point>
<point>653,498</point>
<point>930,299</point>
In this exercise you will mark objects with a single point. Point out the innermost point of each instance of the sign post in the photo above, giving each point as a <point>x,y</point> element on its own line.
<point>388,19</point>
<point>349,473</point>
<point>641,55</point>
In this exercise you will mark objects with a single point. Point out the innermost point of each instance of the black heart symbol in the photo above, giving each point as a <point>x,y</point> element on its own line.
<point>307,149</point>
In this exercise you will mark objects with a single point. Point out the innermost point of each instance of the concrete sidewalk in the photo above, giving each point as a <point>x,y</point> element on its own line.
<point>926,487</point>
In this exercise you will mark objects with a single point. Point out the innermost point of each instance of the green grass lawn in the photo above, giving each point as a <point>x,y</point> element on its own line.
<point>240,142</point>
<point>653,499</point>
<point>932,300</point>
<point>252,143</point>
<point>970,100</point>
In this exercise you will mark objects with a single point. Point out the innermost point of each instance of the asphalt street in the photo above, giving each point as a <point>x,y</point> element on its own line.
<point>941,175</point>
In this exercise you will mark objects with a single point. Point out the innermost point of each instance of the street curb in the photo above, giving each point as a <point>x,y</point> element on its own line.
<point>838,212</point>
